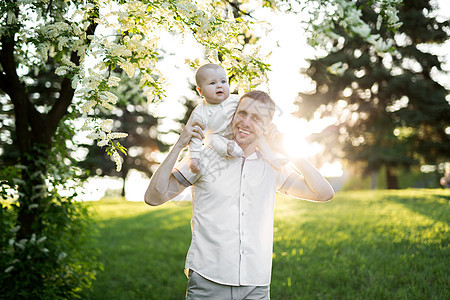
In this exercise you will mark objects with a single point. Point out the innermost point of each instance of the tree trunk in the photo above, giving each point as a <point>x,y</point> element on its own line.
<point>374,180</point>
<point>124,174</point>
<point>391,178</point>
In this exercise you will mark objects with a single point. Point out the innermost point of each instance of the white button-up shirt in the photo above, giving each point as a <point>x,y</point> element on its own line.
<point>232,220</point>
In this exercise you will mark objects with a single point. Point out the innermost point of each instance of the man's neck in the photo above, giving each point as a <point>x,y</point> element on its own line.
<point>249,150</point>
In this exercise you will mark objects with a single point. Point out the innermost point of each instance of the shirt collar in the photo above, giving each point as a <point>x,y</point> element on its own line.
<point>254,155</point>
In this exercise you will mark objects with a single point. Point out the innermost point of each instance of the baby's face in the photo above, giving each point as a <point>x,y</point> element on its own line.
<point>214,86</point>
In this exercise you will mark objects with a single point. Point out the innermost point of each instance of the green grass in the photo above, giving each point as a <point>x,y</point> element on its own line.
<point>361,245</point>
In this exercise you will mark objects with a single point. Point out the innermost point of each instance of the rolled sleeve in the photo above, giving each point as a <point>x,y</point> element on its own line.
<point>183,173</point>
<point>285,178</point>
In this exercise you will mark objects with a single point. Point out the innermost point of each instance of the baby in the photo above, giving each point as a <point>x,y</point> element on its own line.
<point>215,113</point>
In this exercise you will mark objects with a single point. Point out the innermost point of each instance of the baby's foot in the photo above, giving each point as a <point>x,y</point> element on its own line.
<point>194,165</point>
<point>233,149</point>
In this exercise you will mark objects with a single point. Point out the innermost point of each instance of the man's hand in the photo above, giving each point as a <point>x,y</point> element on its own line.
<point>275,139</point>
<point>193,129</point>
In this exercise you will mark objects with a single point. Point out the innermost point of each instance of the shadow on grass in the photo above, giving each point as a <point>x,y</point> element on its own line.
<point>143,256</point>
<point>390,248</point>
<point>432,205</point>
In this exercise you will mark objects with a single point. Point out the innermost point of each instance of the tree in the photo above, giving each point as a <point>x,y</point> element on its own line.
<point>390,111</point>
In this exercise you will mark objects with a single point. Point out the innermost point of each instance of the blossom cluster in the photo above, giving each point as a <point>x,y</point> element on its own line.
<point>325,14</point>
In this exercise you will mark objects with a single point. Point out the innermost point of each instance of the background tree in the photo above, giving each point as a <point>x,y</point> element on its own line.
<point>390,111</point>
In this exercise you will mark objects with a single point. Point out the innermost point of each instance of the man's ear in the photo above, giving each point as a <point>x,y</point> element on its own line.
<point>265,128</point>
<point>199,90</point>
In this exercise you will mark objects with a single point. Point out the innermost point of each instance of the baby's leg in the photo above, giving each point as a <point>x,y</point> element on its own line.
<point>233,149</point>
<point>195,147</point>
<point>224,146</point>
<point>194,165</point>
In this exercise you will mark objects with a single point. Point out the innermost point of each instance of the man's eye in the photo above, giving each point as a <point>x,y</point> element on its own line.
<point>256,119</point>
<point>242,113</point>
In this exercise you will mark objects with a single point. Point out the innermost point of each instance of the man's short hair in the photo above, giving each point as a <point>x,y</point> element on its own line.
<point>205,67</point>
<point>262,97</point>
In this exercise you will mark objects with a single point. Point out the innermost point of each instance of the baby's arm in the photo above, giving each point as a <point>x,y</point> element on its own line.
<point>224,146</point>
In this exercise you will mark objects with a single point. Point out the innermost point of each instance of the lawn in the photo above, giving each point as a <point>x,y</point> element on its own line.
<point>361,245</point>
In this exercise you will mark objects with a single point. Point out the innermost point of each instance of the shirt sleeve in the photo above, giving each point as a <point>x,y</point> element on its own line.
<point>183,173</point>
<point>285,178</point>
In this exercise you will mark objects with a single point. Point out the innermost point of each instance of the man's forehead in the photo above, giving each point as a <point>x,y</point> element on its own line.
<point>254,106</point>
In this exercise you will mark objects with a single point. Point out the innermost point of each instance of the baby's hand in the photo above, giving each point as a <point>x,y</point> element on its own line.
<point>194,165</point>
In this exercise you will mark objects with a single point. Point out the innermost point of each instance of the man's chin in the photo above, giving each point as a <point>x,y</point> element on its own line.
<point>245,141</point>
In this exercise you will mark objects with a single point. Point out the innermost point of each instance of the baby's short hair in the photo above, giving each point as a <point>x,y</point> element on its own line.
<point>204,67</point>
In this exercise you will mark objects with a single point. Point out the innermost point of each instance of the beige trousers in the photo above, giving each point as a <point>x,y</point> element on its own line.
<point>200,288</point>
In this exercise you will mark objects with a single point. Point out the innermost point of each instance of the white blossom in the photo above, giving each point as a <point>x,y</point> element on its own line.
<point>19,245</point>
<point>33,206</point>
<point>61,71</point>
<point>42,239</point>
<point>118,160</point>
<point>15,229</point>
<point>113,81</point>
<point>107,125</point>
<point>88,106</point>
<point>337,68</point>
<point>62,255</point>
<point>102,143</point>
<point>117,135</point>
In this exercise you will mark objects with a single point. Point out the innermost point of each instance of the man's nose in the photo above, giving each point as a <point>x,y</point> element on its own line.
<point>246,120</point>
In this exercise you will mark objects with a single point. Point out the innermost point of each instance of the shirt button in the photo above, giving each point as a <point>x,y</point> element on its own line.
<point>242,213</point>
<point>243,176</point>
<point>243,194</point>
<point>243,251</point>
<point>242,232</point>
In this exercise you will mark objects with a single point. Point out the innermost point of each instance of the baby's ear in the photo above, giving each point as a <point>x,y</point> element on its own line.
<point>199,91</point>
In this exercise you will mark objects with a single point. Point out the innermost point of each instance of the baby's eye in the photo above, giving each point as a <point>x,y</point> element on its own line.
<point>212,82</point>
<point>224,81</point>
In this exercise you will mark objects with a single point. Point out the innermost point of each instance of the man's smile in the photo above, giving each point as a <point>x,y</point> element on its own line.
<point>243,132</point>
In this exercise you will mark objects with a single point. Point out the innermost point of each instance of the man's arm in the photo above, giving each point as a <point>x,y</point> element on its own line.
<point>163,185</point>
<point>308,183</point>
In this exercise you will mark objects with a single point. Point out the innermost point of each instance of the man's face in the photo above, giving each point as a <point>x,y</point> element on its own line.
<point>250,121</point>
<point>214,86</point>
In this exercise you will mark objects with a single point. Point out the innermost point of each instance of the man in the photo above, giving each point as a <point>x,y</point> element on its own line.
<point>230,256</point>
